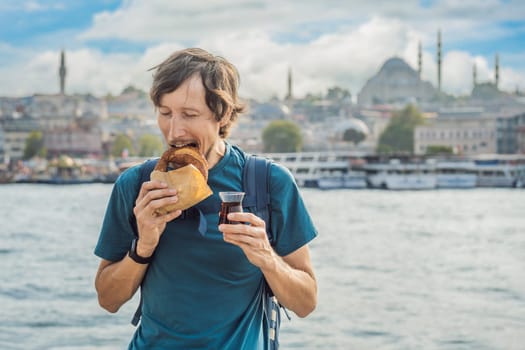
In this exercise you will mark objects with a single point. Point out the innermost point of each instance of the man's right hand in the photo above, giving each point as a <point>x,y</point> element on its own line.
<point>152,196</point>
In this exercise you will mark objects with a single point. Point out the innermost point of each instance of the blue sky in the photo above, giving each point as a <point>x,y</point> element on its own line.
<point>111,44</point>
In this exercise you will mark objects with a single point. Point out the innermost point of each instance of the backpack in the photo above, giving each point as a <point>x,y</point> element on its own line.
<point>256,174</point>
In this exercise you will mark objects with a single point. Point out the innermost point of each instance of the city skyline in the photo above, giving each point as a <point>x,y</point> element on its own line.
<point>111,44</point>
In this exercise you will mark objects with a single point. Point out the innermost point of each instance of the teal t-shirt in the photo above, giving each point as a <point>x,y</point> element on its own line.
<point>201,292</point>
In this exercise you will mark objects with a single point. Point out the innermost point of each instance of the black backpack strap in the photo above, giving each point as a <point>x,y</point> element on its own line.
<point>256,185</point>
<point>145,170</point>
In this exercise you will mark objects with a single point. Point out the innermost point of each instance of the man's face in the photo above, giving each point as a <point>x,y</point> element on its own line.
<point>185,119</point>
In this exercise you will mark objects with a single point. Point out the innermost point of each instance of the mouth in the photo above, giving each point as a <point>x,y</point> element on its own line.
<point>172,165</point>
<point>179,145</point>
<point>184,144</point>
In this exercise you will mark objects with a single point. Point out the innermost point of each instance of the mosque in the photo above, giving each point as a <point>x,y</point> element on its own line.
<point>397,82</point>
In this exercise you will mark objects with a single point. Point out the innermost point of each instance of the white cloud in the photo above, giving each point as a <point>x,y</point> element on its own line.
<point>457,72</point>
<point>191,21</point>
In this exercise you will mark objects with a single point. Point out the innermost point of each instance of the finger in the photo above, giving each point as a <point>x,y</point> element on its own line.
<point>154,195</point>
<point>235,230</point>
<point>159,194</point>
<point>154,200</point>
<point>156,204</point>
<point>244,240</point>
<point>149,186</point>
<point>250,218</point>
<point>145,188</point>
<point>237,239</point>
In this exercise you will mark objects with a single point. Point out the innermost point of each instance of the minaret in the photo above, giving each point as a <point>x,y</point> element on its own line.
<point>439,59</point>
<point>419,60</point>
<point>496,71</point>
<point>474,75</point>
<point>62,72</point>
<point>289,93</point>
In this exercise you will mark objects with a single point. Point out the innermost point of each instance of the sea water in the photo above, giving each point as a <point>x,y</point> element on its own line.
<point>438,269</point>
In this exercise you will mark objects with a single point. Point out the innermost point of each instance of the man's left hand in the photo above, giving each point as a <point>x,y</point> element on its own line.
<point>250,235</point>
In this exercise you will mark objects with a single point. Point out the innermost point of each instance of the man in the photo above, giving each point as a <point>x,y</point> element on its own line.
<point>202,291</point>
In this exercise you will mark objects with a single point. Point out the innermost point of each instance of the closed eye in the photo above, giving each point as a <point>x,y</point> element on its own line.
<point>165,113</point>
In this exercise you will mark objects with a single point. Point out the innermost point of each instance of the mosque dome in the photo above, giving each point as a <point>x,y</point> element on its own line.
<point>395,82</point>
<point>353,124</point>
<point>396,64</point>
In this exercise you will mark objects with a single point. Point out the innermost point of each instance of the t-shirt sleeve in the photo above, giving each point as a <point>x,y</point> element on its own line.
<point>291,223</point>
<point>117,232</point>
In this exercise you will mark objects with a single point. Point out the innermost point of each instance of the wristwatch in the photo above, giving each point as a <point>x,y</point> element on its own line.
<point>135,257</point>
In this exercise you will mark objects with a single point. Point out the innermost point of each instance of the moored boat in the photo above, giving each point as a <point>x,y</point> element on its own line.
<point>351,179</point>
<point>456,174</point>
<point>500,171</point>
<point>395,175</point>
<point>309,167</point>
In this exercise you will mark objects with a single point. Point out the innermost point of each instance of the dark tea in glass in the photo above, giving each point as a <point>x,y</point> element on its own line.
<point>231,203</point>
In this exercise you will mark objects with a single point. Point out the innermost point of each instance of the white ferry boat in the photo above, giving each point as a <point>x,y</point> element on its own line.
<point>500,170</point>
<point>456,174</point>
<point>401,176</point>
<point>352,179</point>
<point>308,167</point>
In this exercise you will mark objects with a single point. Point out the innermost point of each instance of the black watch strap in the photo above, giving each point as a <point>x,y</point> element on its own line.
<point>135,257</point>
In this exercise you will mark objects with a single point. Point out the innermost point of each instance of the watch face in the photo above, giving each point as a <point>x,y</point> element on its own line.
<point>134,245</point>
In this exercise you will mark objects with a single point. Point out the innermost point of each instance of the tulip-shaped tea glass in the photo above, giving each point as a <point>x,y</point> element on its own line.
<point>231,203</point>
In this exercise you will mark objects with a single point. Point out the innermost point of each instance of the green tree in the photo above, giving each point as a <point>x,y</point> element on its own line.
<point>122,142</point>
<point>282,136</point>
<point>337,93</point>
<point>34,145</point>
<point>434,150</point>
<point>150,145</point>
<point>352,135</point>
<point>130,89</point>
<point>399,134</point>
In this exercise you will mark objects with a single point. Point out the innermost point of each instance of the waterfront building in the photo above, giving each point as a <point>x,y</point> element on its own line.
<point>74,141</point>
<point>53,115</point>
<point>131,103</point>
<point>511,134</point>
<point>520,133</point>
<point>16,131</point>
<point>465,135</point>
<point>473,131</point>
<point>60,110</point>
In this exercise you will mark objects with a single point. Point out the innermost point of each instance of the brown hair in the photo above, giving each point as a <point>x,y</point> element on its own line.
<point>219,77</point>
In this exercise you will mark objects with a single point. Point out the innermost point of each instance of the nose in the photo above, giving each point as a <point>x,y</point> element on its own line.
<point>177,128</point>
